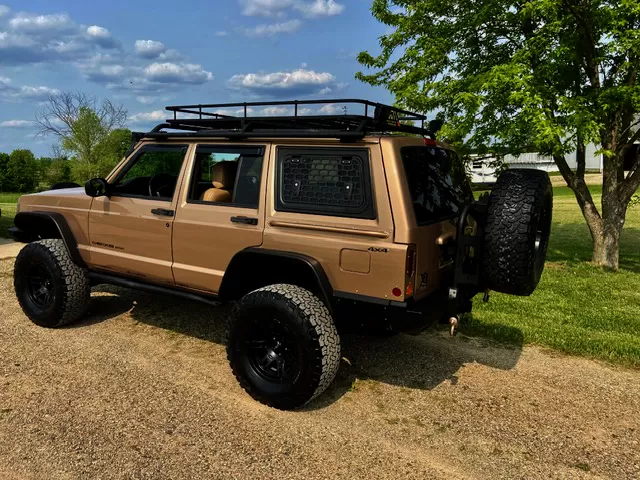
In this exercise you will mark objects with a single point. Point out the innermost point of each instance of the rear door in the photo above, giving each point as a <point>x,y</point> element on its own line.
<point>130,231</point>
<point>221,212</point>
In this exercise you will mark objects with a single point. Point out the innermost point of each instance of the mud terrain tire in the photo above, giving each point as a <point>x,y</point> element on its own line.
<point>283,346</point>
<point>52,290</point>
<point>517,231</point>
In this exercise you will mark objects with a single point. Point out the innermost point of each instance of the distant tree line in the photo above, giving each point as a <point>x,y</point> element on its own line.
<point>92,139</point>
<point>21,171</point>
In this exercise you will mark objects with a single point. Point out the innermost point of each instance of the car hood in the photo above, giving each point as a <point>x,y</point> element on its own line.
<point>64,198</point>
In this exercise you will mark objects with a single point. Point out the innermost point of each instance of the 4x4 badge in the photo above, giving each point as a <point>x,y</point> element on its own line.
<point>379,250</point>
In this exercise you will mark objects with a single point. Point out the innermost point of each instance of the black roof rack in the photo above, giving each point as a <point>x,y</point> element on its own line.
<point>358,119</point>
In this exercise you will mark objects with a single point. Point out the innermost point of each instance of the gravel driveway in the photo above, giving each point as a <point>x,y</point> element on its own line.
<point>141,389</point>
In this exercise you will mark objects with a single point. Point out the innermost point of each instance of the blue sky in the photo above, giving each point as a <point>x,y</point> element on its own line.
<point>149,54</point>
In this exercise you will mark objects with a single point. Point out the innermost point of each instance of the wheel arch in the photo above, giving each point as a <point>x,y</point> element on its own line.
<point>254,268</point>
<point>32,226</point>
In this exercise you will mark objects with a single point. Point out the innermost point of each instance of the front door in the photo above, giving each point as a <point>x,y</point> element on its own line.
<point>130,230</point>
<point>221,212</point>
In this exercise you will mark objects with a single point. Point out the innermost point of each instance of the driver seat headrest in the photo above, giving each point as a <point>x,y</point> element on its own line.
<point>223,174</point>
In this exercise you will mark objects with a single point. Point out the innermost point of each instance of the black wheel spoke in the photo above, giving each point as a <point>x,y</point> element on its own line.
<point>40,286</point>
<point>267,361</point>
<point>269,346</point>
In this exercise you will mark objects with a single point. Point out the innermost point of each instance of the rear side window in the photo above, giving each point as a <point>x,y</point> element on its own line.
<point>325,181</point>
<point>227,175</point>
<point>437,183</point>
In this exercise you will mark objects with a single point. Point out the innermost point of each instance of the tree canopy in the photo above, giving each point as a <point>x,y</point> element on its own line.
<point>92,134</point>
<point>545,76</point>
<point>19,171</point>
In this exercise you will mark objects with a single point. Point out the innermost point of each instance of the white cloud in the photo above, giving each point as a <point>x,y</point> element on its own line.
<point>36,93</point>
<point>280,8</point>
<point>17,124</point>
<point>51,38</point>
<point>271,29</point>
<point>149,48</point>
<point>265,8</point>
<point>300,81</point>
<point>147,68</point>
<point>222,33</point>
<point>177,73</point>
<point>41,24</point>
<point>319,8</point>
<point>102,37</point>
<point>277,111</point>
<point>145,100</point>
<point>146,117</point>
<point>24,92</point>
<point>4,10</point>
<point>330,109</point>
<point>98,32</point>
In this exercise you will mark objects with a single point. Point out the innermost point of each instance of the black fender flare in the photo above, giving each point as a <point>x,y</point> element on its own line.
<point>32,226</point>
<point>247,269</point>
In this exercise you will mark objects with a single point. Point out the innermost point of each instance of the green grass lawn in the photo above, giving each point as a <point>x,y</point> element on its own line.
<point>8,206</point>
<point>578,308</point>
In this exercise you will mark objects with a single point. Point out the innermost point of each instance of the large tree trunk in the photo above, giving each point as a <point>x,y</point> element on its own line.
<point>606,246</point>
<point>605,229</point>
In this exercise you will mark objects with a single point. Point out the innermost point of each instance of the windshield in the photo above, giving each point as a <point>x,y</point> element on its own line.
<point>437,181</point>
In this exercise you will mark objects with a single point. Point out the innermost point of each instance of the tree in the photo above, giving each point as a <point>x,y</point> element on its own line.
<point>537,75</point>
<point>59,171</point>
<point>4,163</point>
<point>84,128</point>
<point>21,172</point>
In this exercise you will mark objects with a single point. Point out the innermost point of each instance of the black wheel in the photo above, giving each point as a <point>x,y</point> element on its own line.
<point>52,290</point>
<point>517,231</point>
<point>283,346</point>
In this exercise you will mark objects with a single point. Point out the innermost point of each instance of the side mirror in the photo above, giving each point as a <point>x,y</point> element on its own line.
<point>97,187</point>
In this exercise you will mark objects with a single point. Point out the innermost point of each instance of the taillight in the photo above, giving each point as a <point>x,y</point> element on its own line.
<point>411,261</point>
<point>429,142</point>
<point>410,270</point>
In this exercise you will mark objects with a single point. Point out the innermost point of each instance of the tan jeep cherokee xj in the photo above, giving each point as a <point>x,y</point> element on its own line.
<point>310,224</point>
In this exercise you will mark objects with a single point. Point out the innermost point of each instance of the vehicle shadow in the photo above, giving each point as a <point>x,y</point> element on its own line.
<point>417,362</point>
<point>184,317</point>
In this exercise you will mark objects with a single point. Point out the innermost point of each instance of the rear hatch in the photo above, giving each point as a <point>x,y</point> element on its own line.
<point>438,189</point>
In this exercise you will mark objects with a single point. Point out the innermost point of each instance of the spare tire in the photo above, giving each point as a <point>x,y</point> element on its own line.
<point>516,234</point>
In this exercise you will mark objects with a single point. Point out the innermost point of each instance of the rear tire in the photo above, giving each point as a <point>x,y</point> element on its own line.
<point>517,231</point>
<point>52,290</point>
<point>283,346</point>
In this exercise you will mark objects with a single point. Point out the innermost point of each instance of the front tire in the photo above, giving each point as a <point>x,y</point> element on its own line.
<point>52,290</point>
<point>283,346</point>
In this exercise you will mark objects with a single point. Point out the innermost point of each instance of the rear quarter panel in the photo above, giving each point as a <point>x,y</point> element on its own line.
<point>430,273</point>
<point>359,256</point>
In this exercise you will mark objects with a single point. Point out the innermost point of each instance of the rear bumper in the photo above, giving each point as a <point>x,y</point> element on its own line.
<point>409,317</point>
<point>415,316</point>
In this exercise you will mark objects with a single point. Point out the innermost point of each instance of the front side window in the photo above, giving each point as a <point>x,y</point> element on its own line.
<point>325,181</point>
<point>437,183</point>
<point>153,173</point>
<point>228,175</point>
